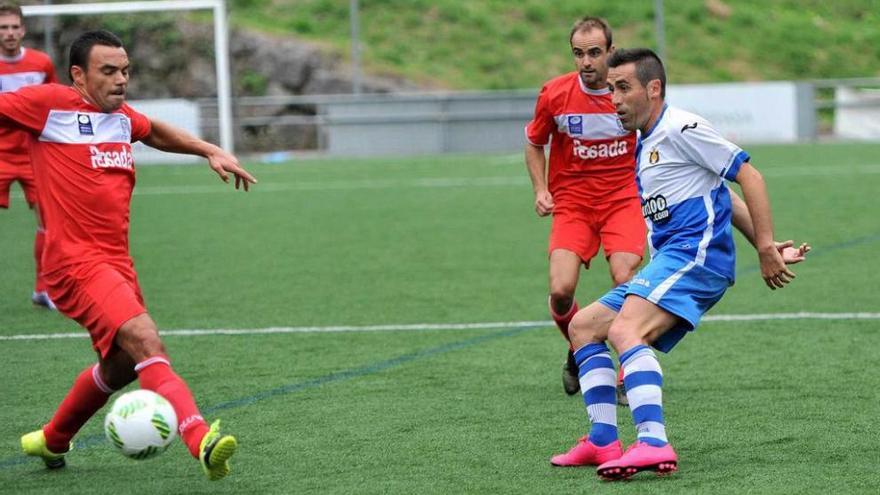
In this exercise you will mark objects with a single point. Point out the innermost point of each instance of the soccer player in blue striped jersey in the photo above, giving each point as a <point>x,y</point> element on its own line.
<point>682,164</point>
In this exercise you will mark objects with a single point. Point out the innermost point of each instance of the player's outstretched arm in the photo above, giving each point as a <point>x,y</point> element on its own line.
<point>166,137</point>
<point>742,220</point>
<point>773,269</point>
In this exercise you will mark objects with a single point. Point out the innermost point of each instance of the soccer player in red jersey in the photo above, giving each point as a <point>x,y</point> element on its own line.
<point>590,187</point>
<point>81,144</point>
<point>19,67</point>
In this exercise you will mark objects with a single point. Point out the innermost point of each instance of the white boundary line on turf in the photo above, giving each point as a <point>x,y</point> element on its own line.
<point>442,326</point>
<point>445,182</point>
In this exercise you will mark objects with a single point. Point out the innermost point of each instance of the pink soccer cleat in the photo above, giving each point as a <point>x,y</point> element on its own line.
<point>640,457</point>
<point>586,453</point>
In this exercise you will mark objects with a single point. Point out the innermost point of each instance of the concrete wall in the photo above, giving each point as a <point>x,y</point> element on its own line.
<point>370,125</point>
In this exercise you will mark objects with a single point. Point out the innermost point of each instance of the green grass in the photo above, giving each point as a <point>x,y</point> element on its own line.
<point>495,44</point>
<point>757,407</point>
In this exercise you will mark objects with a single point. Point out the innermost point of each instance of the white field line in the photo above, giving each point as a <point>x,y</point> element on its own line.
<point>441,326</point>
<point>343,185</point>
<point>446,182</point>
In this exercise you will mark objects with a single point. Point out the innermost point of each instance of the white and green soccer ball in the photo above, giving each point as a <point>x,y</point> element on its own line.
<point>141,424</point>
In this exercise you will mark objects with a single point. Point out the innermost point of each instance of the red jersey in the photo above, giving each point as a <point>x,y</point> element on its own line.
<point>84,170</point>
<point>30,67</point>
<point>592,157</point>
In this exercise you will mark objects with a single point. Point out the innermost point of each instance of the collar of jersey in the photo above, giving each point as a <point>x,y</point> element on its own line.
<point>589,91</point>
<point>16,58</point>
<point>662,113</point>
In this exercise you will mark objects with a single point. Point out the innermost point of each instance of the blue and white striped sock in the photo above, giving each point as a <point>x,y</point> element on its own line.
<point>598,380</point>
<point>643,379</point>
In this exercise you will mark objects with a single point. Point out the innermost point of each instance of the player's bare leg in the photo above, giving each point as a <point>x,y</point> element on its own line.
<point>622,267</point>
<point>640,323</point>
<point>139,337</point>
<point>90,391</point>
<point>564,272</point>
<point>589,330</point>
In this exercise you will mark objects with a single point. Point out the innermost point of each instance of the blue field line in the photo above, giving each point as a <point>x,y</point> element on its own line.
<point>369,369</point>
<point>858,241</point>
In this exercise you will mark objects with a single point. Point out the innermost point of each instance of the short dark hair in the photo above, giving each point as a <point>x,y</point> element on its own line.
<point>82,47</point>
<point>11,9</point>
<point>648,65</point>
<point>589,22</point>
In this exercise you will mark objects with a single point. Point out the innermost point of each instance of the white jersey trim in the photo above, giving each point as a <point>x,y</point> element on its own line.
<point>591,91</point>
<point>15,58</point>
<point>700,258</point>
<point>18,80</point>
<point>710,229</point>
<point>590,125</point>
<point>73,127</point>
<point>530,141</point>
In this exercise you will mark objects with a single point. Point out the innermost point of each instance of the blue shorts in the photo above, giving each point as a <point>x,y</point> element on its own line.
<point>677,285</point>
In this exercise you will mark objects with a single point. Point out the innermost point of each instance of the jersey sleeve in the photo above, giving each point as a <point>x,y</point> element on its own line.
<point>700,142</point>
<point>539,129</point>
<point>140,124</point>
<point>26,109</point>
<point>51,76</point>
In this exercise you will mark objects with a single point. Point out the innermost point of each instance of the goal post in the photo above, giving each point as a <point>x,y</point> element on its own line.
<point>221,41</point>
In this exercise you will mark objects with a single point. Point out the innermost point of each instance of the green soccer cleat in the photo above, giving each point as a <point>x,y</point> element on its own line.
<point>34,444</point>
<point>215,451</point>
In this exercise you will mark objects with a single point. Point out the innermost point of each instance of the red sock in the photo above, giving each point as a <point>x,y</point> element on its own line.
<point>562,321</point>
<point>39,243</point>
<point>620,376</point>
<point>155,374</point>
<point>88,394</point>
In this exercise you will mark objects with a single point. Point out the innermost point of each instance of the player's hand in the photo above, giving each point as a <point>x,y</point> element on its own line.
<point>224,163</point>
<point>792,255</point>
<point>544,203</point>
<point>773,268</point>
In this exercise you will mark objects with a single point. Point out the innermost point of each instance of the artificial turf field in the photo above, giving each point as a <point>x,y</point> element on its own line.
<point>754,406</point>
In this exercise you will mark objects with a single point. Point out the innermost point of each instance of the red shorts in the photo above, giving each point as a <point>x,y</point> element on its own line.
<point>618,226</point>
<point>99,296</point>
<point>24,175</point>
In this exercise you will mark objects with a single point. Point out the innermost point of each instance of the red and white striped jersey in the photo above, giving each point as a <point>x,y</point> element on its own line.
<point>28,68</point>
<point>592,157</point>
<point>84,169</point>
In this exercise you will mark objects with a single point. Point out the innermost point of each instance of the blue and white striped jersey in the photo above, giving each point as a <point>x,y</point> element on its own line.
<point>682,163</point>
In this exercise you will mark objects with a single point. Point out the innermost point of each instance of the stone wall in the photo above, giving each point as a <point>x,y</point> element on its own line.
<point>174,57</point>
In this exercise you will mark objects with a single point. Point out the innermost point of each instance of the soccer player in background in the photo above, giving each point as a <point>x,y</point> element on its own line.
<point>19,67</point>
<point>590,188</point>
<point>682,165</point>
<point>82,137</point>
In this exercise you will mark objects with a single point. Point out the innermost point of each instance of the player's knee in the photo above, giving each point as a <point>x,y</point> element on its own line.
<point>562,292</point>
<point>622,275</point>
<point>585,329</point>
<point>620,336</point>
<point>139,337</point>
<point>560,302</point>
<point>117,377</point>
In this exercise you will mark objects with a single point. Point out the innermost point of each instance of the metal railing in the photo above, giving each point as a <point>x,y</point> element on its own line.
<point>304,122</point>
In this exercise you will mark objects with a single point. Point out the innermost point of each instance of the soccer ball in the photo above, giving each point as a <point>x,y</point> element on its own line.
<point>141,424</point>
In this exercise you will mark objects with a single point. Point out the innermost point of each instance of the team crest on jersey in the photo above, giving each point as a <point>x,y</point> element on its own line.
<point>126,127</point>
<point>575,124</point>
<point>653,156</point>
<point>85,125</point>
